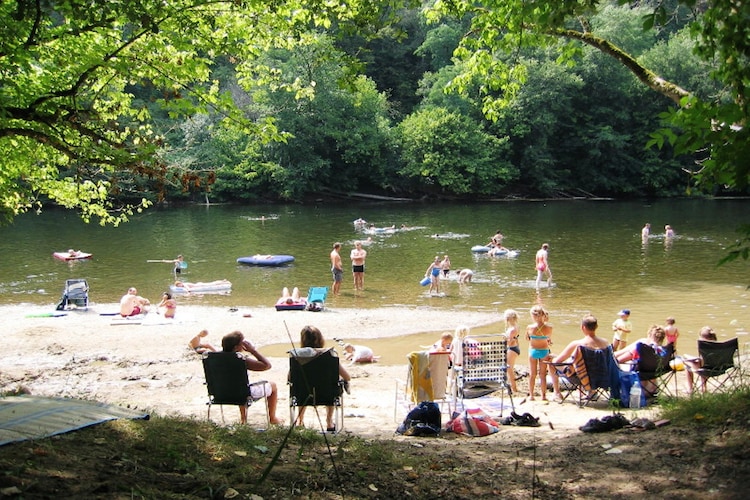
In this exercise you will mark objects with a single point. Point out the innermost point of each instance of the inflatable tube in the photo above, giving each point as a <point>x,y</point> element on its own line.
<point>481,248</point>
<point>68,256</point>
<point>201,287</point>
<point>425,281</point>
<point>266,260</point>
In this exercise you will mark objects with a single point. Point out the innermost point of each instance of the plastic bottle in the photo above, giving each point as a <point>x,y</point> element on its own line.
<point>635,393</point>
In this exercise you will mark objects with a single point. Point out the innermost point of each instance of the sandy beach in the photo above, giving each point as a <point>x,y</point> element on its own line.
<point>147,365</point>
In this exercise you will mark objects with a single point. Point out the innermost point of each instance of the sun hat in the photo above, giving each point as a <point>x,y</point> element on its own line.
<point>624,312</point>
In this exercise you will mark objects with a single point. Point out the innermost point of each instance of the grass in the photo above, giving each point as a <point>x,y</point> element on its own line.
<point>186,458</point>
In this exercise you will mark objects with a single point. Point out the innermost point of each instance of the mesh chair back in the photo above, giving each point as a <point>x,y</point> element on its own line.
<point>226,378</point>
<point>314,381</point>
<point>718,357</point>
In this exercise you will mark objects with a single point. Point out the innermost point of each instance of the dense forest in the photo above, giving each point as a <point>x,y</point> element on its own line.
<point>109,107</point>
<point>395,128</point>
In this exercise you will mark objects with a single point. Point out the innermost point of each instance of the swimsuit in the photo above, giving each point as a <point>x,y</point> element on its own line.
<point>338,274</point>
<point>516,349</point>
<point>358,269</point>
<point>538,353</point>
<point>436,271</point>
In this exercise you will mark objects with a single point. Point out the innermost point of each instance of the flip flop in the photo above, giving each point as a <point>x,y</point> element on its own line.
<point>527,420</point>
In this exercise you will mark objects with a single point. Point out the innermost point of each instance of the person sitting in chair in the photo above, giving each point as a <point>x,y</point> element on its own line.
<point>696,362</point>
<point>590,339</point>
<point>312,343</point>
<point>235,342</point>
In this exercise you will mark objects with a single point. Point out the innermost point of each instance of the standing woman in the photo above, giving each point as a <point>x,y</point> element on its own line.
<point>514,349</point>
<point>542,266</point>
<point>539,335</point>
<point>434,273</point>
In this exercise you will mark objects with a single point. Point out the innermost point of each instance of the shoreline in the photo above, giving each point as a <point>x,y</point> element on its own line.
<point>149,366</point>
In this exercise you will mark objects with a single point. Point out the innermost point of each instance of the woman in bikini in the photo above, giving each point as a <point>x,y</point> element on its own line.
<point>514,349</point>
<point>539,335</point>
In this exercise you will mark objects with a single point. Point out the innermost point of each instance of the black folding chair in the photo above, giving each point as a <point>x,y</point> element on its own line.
<point>227,382</point>
<point>656,366</point>
<point>314,381</point>
<point>720,363</point>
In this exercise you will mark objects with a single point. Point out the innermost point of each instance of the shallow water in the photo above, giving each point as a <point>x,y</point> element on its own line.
<point>599,262</point>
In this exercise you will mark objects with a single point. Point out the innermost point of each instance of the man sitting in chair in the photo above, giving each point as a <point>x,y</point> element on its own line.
<point>589,325</point>
<point>235,342</point>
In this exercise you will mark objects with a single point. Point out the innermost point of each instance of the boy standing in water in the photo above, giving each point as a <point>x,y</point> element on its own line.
<point>358,256</point>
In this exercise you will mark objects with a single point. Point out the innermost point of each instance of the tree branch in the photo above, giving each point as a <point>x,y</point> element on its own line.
<point>649,78</point>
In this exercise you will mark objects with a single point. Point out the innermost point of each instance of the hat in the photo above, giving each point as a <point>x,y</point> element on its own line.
<point>624,312</point>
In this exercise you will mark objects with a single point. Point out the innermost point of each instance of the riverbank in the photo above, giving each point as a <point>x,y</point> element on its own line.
<point>148,366</point>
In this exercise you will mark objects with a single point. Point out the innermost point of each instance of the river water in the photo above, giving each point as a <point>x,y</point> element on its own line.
<point>599,261</point>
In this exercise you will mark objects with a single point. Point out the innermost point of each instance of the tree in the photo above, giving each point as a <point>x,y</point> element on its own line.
<point>719,26</point>
<point>69,71</point>
<point>448,154</point>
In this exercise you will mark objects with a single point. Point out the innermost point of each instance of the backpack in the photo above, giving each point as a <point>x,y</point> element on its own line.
<point>423,420</point>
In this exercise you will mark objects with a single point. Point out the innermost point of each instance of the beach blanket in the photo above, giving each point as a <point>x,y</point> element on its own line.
<point>33,417</point>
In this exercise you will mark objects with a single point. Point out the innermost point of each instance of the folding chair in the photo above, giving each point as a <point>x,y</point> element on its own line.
<point>655,366</point>
<point>317,294</point>
<point>720,363</point>
<point>592,373</point>
<point>427,380</point>
<point>228,384</point>
<point>483,369</point>
<point>75,293</point>
<point>314,381</point>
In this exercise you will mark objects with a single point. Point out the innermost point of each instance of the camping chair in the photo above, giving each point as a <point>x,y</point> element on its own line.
<point>656,367</point>
<point>592,373</point>
<point>316,297</point>
<point>227,382</point>
<point>483,369</point>
<point>720,367</point>
<point>314,381</point>
<point>317,294</point>
<point>427,379</point>
<point>75,293</point>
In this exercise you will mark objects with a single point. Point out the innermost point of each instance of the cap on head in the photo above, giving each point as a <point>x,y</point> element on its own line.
<point>624,312</point>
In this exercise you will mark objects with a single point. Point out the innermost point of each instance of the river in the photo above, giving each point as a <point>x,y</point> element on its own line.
<point>599,261</point>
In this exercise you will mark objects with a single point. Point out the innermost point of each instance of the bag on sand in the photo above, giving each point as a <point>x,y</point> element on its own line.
<point>423,420</point>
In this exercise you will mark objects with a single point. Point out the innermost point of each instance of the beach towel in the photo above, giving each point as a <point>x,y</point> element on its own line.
<point>472,422</point>
<point>419,387</point>
<point>34,417</point>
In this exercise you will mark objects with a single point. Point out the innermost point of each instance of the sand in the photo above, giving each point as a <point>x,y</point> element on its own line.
<point>147,365</point>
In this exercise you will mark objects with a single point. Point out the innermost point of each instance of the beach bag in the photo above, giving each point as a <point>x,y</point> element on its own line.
<point>423,420</point>
<point>627,379</point>
<point>473,422</point>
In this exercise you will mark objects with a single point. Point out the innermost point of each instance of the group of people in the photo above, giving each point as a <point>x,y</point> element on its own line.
<point>646,231</point>
<point>312,343</point>
<point>539,334</point>
<point>357,256</point>
<point>132,304</point>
